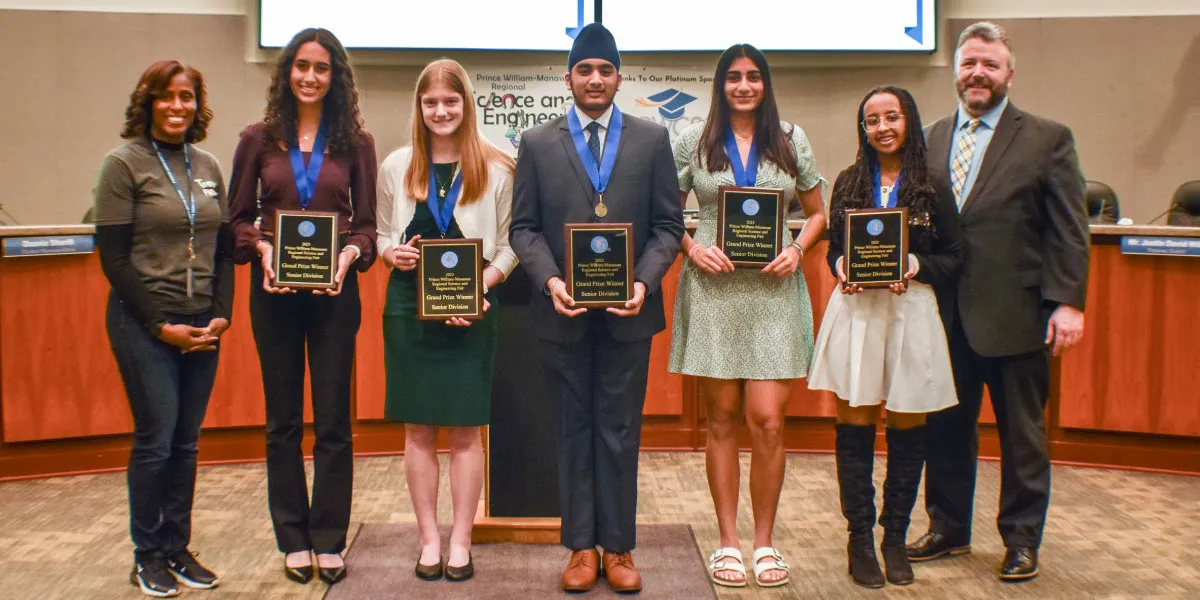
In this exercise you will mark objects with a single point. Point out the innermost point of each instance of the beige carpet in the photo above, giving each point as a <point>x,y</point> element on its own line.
<point>1111,534</point>
<point>382,562</point>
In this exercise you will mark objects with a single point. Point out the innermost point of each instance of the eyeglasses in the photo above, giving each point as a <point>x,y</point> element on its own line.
<point>873,122</point>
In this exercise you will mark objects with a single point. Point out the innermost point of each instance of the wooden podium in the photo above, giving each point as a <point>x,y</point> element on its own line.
<point>520,498</point>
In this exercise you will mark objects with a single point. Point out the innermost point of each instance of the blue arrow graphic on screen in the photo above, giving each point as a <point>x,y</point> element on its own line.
<point>574,31</point>
<point>917,33</point>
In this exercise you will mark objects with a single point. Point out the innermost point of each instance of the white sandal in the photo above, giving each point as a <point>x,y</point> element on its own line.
<point>724,560</point>
<point>766,559</point>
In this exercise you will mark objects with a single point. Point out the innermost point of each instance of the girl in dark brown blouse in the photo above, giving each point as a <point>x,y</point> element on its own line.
<point>312,116</point>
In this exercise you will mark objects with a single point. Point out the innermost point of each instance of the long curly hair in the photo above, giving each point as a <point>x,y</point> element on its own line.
<point>139,115</point>
<point>916,193</point>
<point>339,112</point>
<point>774,144</point>
<point>475,152</point>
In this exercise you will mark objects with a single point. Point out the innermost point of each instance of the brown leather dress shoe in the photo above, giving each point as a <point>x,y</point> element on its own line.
<point>582,570</point>
<point>622,576</point>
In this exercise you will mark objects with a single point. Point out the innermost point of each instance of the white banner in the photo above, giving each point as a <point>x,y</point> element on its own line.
<point>509,101</point>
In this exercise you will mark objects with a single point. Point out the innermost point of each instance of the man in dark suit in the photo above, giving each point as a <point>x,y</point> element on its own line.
<point>596,165</point>
<point>1020,193</point>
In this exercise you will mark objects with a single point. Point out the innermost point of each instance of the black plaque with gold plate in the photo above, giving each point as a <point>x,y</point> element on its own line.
<point>876,246</point>
<point>305,249</point>
<point>599,263</point>
<point>750,224</point>
<point>450,279</point>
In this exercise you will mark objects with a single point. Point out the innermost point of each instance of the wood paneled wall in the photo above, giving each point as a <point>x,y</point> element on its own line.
<point>1136,368</point>
<point>1125,396</point>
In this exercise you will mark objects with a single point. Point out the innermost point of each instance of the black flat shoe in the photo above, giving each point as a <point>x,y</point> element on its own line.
<point>333,575</point>
<point>935,545</point>
<point>462,573</point>
<point>429,572</point>
<point>298,574</point>
<point>1020,564</point>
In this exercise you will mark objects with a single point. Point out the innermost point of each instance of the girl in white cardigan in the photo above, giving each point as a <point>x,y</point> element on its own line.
<point>450,183</point>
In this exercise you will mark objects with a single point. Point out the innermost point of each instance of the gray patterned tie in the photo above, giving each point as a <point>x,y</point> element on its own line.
<point>594,140</point>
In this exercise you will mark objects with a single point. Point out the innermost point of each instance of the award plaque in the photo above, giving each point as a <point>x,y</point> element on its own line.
<point>750,224</point>
<point>600,264</point>
<point>450,279</point>
<point>306,251</point>
<point>876,246</point>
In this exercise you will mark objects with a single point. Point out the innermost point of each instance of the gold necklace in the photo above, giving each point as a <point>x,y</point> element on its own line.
<point>443,187</point>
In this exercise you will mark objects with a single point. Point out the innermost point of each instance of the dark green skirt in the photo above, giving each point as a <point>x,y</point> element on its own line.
<point>437,374</point>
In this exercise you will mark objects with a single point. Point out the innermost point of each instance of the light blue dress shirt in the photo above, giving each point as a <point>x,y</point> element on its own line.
<point>983,137</point>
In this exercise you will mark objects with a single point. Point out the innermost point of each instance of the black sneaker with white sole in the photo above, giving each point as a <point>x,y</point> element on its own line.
<point>183,565</point>
<point>150,573</point>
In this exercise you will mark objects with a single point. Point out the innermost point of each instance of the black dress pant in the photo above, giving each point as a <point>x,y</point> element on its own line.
<point>284,326</point>
<point>1019,387</point>
<point>598,386</point>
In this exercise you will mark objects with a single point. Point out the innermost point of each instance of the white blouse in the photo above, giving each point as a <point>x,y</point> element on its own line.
<point>488,218</point>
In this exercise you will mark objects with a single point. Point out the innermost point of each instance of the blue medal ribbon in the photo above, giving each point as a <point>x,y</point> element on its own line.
<point>189,207</point>
<point>306,178</point>
<point>893,195</point>
<point>742,176</point>
<point>599,176</point>
<point>444,213</point>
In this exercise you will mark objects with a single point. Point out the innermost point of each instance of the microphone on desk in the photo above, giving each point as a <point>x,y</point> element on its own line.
<point>1163,213</point>
<point>5,211</point>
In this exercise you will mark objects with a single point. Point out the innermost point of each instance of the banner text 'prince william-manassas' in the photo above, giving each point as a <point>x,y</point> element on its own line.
<point>510,101</point>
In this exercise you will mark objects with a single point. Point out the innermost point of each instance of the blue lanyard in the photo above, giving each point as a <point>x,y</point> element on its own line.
<point>893,194</point>
<point>189,207</point>
<point>599,176</point>
<point>744,177</point>
<point>443,213</point>
<point>306,179</point>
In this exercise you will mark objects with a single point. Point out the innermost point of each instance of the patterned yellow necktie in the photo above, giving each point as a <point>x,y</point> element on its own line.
<point>961,165</point>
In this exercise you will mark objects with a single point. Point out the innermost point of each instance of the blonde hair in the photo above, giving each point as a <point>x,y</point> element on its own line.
<point>475,152</point>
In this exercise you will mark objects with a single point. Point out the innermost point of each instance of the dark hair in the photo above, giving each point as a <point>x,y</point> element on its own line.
<point>340,111</point>
<point>857,189</point>
<point>139,115</point>
<point>774,145</point>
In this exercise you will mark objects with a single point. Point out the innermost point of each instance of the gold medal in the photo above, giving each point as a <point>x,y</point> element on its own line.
<point>601,209</point>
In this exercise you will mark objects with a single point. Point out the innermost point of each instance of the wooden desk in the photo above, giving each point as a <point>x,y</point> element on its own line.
<point>1125,397</point>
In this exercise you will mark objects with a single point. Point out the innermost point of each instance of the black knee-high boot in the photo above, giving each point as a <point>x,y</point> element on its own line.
<point>855,462</point>
<point>906,458</point>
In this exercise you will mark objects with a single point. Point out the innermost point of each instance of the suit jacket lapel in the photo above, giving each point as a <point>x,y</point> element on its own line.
<point>1006,130</point>
<point>941,136</point>
<point>581,175</point>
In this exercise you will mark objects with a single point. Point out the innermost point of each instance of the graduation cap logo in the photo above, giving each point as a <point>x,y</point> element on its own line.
<point>670,103</point>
